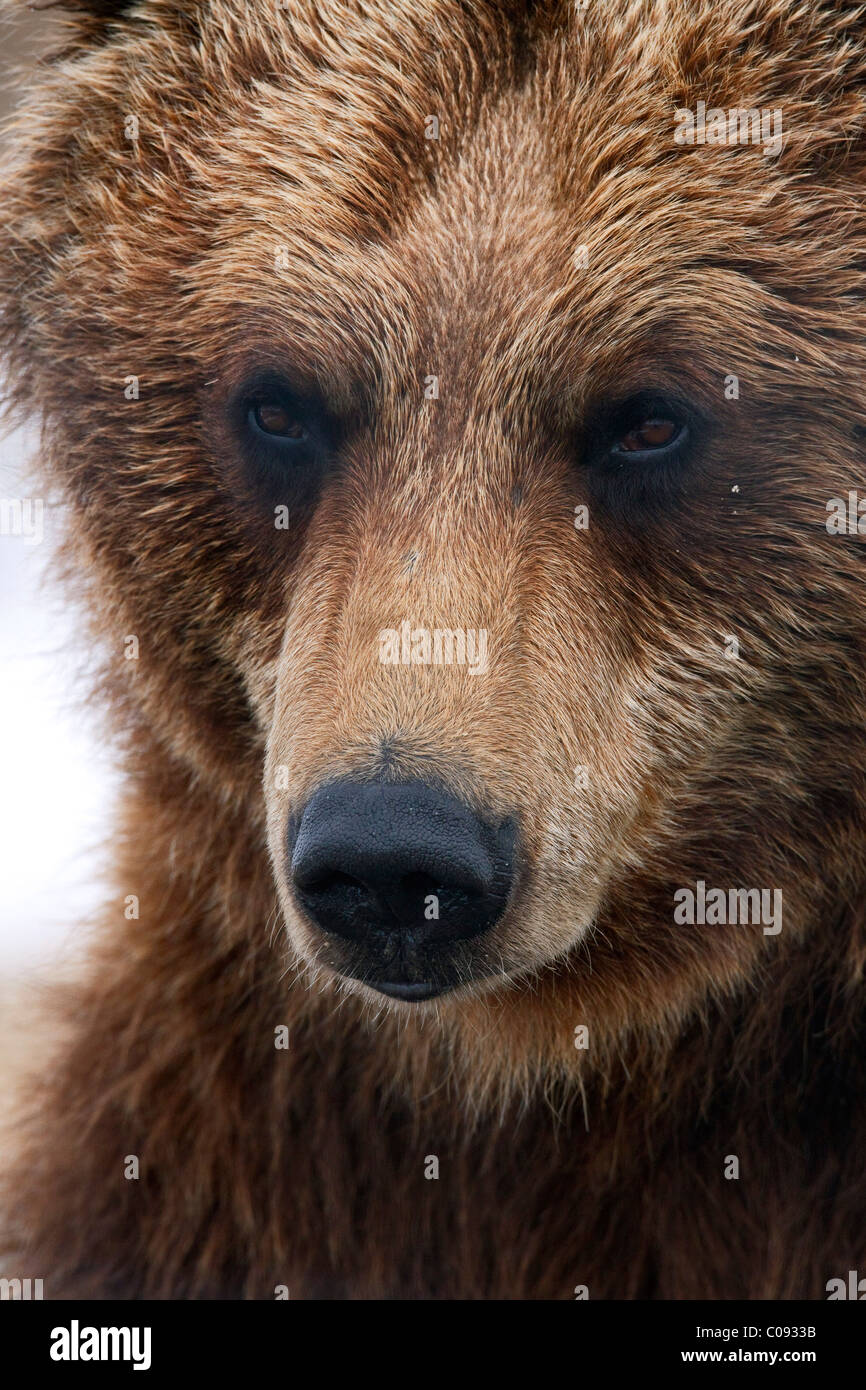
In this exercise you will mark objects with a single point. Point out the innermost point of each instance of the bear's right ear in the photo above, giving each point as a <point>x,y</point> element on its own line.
<point>87,21</point>
<point>98,9</point>
<point>106,8</point>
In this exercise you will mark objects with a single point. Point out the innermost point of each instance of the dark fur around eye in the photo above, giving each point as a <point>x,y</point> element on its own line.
<point>635,453</point>
<point>286,438</point>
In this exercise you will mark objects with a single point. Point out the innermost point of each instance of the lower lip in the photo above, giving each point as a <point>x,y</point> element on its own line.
<point>410,994</point>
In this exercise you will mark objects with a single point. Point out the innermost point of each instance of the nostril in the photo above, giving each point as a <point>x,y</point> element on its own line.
<point>338,902</point>
<point>418,886</point>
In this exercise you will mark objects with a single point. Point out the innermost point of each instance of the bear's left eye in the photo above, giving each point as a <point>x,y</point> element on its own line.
<point>650,434</point>
<point>647,430</point>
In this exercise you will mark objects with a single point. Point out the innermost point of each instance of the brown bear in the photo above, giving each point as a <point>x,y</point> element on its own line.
<point>459,411</point>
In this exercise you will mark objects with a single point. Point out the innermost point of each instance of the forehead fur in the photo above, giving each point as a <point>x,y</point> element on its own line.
<point>297,133</point>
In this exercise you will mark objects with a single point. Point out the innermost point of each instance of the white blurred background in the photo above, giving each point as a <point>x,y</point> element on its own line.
<point>56,783</point>
<point>54,779</point>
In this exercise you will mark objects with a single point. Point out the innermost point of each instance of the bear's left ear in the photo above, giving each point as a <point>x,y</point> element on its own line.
<point>820,77</point>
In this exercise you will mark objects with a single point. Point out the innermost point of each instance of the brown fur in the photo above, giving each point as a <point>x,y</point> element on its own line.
<point>303,127</point>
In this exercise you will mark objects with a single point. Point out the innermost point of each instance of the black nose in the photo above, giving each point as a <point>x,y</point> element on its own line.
<point>371,859</point>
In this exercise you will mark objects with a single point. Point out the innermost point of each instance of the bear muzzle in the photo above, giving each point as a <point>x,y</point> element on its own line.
<point>404,875</point>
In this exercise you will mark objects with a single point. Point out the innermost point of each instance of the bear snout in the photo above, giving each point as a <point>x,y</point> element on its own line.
<point>406,873</point>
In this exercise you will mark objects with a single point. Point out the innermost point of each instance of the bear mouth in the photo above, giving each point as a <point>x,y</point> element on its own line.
<point>408,993</point>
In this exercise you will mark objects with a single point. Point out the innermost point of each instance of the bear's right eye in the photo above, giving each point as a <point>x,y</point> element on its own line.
<point>281,427</point>
<point>276,419</point>
<point>282,440</point>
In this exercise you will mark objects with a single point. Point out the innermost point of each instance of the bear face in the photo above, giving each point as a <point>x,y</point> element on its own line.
<point>350,332</point>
